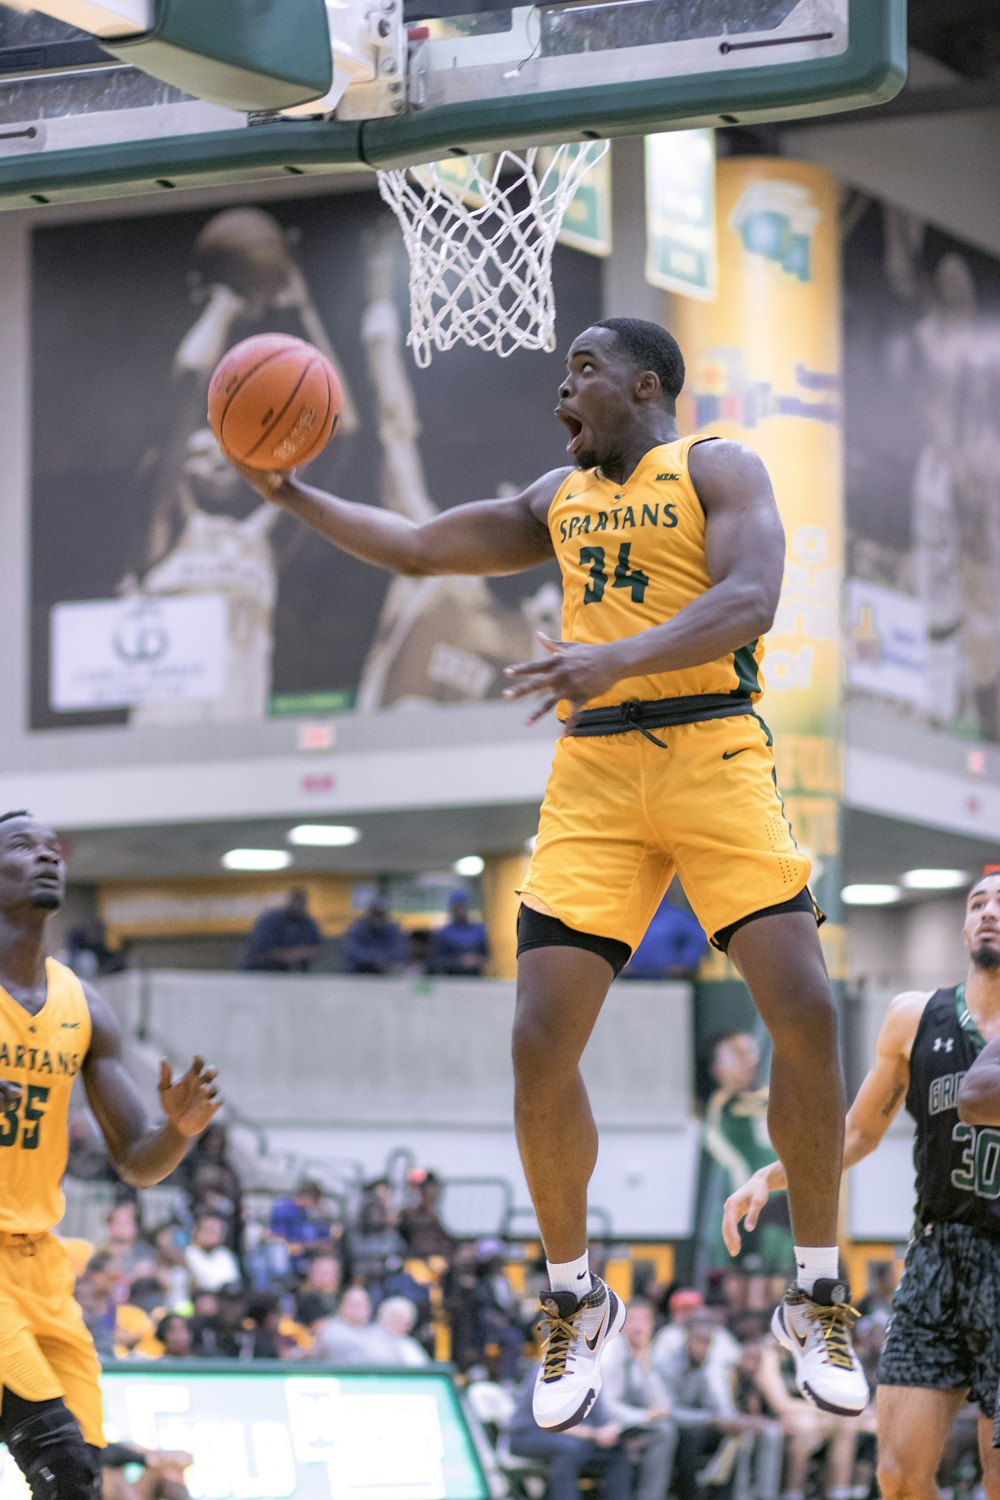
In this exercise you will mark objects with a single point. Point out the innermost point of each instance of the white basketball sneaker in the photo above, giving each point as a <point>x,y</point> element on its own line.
<point>578,1329</point>
<point>816,1331</point>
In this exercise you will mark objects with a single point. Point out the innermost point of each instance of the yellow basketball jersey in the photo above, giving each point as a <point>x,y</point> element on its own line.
<point>633,555</point>
<point>42,1053</point>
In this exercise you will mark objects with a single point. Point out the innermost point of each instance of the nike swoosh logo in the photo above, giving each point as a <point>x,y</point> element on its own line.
<point>593,1343</point>
<point>728,754</point>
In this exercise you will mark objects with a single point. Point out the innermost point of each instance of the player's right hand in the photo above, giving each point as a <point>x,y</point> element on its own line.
<point>10,1094</point>
<point>745,1204</point>
<point>267,482</point>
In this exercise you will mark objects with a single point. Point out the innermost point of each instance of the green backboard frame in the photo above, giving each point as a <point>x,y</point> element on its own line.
<point>870,70</point>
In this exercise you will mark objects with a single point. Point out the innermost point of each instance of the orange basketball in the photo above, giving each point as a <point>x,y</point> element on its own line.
<point>274,402</point>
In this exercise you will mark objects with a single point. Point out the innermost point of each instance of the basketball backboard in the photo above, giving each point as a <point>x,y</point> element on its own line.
<point>426,82</point>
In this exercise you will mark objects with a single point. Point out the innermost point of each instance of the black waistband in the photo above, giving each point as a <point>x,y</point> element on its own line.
<point>658,713</point>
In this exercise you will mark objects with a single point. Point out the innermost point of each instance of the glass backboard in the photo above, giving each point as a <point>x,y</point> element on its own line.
<point>429,82</point>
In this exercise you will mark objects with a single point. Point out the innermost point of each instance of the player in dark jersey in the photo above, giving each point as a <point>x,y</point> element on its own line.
<point>943,1341</point>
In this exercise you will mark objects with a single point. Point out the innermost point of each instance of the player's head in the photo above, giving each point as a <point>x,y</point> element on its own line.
<point>214,484</point>
<point>247,250</point>
<point>32,870</point>
<point>619,372</point>
<point>735,1060</point>
<point>981,928</point>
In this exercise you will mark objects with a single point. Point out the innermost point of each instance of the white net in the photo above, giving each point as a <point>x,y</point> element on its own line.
<point>479,232</point>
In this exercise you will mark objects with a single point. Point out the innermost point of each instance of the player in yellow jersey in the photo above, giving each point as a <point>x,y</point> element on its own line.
<point>672,553</point>
<point>52,1028</point>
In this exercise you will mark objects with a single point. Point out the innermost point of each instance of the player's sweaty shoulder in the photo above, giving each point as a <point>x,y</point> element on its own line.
<point>539,496</point>
<point>902,1019</point>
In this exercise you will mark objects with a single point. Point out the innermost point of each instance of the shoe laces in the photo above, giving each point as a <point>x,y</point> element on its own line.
<point>834,1325</point>
<point>560,1334</point>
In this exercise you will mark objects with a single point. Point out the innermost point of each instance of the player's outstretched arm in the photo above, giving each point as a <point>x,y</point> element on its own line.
<point>488,537</point>
<point>143,1154</point>
<point>979,1093</point>
<point>875,1106</point>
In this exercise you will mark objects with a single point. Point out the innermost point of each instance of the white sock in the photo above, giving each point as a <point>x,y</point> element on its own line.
<point>813,1263</point>
<point>571,1275</point>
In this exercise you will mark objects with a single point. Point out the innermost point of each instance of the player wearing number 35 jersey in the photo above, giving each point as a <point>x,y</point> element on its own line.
<point>672,553</point>
<point>52,1029</point>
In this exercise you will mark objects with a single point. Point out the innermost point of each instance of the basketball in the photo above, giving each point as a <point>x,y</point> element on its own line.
<point>274,402</point>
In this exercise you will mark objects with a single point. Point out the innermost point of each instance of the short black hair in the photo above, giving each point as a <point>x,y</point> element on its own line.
<point>652,348</point>
<point>18,812</point>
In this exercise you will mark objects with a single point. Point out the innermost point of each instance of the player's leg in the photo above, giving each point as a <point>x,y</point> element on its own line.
<point>913,1425</point>
<point>46,1442</point>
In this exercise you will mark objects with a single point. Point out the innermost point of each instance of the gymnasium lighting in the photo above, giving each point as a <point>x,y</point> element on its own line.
<point>870,895</point>
<point>934,880</point>
<point>256,859</point>
<point>324,835</point>
<point>469,865</point>
<point>111,18</point>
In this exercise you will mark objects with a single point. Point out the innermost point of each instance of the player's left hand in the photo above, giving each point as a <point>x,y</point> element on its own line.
<point>191,1102</point>
<point>572,671</point>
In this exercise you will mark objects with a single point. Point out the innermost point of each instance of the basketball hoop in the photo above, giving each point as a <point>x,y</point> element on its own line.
<point>479,231</point>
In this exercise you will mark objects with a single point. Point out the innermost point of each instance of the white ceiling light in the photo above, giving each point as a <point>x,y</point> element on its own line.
<point>469,864</point>
<point>324,835</point>
<point>934,880</point>
<point>257,859</point>
<point>870,895</point>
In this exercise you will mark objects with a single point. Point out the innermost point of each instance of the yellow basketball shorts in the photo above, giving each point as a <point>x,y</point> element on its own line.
<point>45,1349</point>
<point>621,816</point>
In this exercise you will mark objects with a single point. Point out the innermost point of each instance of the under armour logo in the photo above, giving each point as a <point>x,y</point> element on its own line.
<point>940,1044</point>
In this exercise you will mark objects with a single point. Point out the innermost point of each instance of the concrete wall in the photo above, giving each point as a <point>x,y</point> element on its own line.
<point>352,1068</point>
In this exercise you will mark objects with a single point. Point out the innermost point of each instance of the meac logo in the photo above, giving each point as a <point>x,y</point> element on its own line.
<point>778,220</point>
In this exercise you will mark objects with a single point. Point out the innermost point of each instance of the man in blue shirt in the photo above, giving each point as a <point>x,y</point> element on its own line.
<point>460,946</point>
<point>285,940</point>
<point>374,944</point>
<point>671,948</point>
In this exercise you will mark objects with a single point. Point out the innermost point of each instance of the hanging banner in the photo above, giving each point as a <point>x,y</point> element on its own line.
<point>681,251</point>
<point>764,367</point>
<point>587,223</point>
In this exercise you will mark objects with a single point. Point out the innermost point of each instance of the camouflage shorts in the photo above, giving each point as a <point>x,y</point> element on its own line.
<point>944,1332</point>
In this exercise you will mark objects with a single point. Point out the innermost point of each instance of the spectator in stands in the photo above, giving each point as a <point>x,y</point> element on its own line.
<point>95,1294</point>
<point>263,1320</point>
<point>173,1332</point>
<point>394,1322</point>
<point>224,1334</point>
<point>210,1262</point>
<point>683,1305</point>
<point>348,1338</point>
<point>169,1243</point>
<point>212,1182</point>
<point>672,947</point>
<point>284,940</point>
<point>88,1159</point>
<point>88,953</point>
<point>418,951</point>
<point>497,1313</point>
<point>301,1221</point>
<point>419,1223</point>
<point>319,1293</point>
<point>636,1397</point>
<point>129,1253</point>
<point>374,944</point>
<point>138,1316</point>
<point>460,946</point>
<point>594,1445</point>
<point>701,1403</point>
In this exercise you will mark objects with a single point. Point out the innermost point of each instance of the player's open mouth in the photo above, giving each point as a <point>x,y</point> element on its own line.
<point>575,428</point>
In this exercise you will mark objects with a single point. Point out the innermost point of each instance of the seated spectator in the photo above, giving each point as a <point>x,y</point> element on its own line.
<point>349,1337</point>
<point>129,1253</point>
<point>211,1181</point>
<point>222,1333</point>
<point>210,1262</point>
<point>497,1314</point>
<point>88,1159</point>
<point>138,1316</point>
<point>594,1445</point>
<point>460,946</point>
<point>683,1305</point>
<point>419,1223</point>
<point>396,1279</point>
<point>95,1292</point>
<point>374,1237</point>
<point>264,1323</point>
<point>170,1240</point>
<point>284,940</point>
<point>88,953</point>
<point>672,947</point>
<point>394,1323</point>
<point>174,1336</point>
<point>374,944</point>
<point>302,1221</point>
<point>636,1397</point>
<point>701,1403</point>
<point>319,1293</point>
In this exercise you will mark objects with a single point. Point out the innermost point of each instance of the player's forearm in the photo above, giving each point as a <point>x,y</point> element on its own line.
<point>381,537</point>
<point>721,620</point>
<point>153,1156</point>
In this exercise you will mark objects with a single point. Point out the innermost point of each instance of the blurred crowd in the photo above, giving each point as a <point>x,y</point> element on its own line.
<point>697,1400</point>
